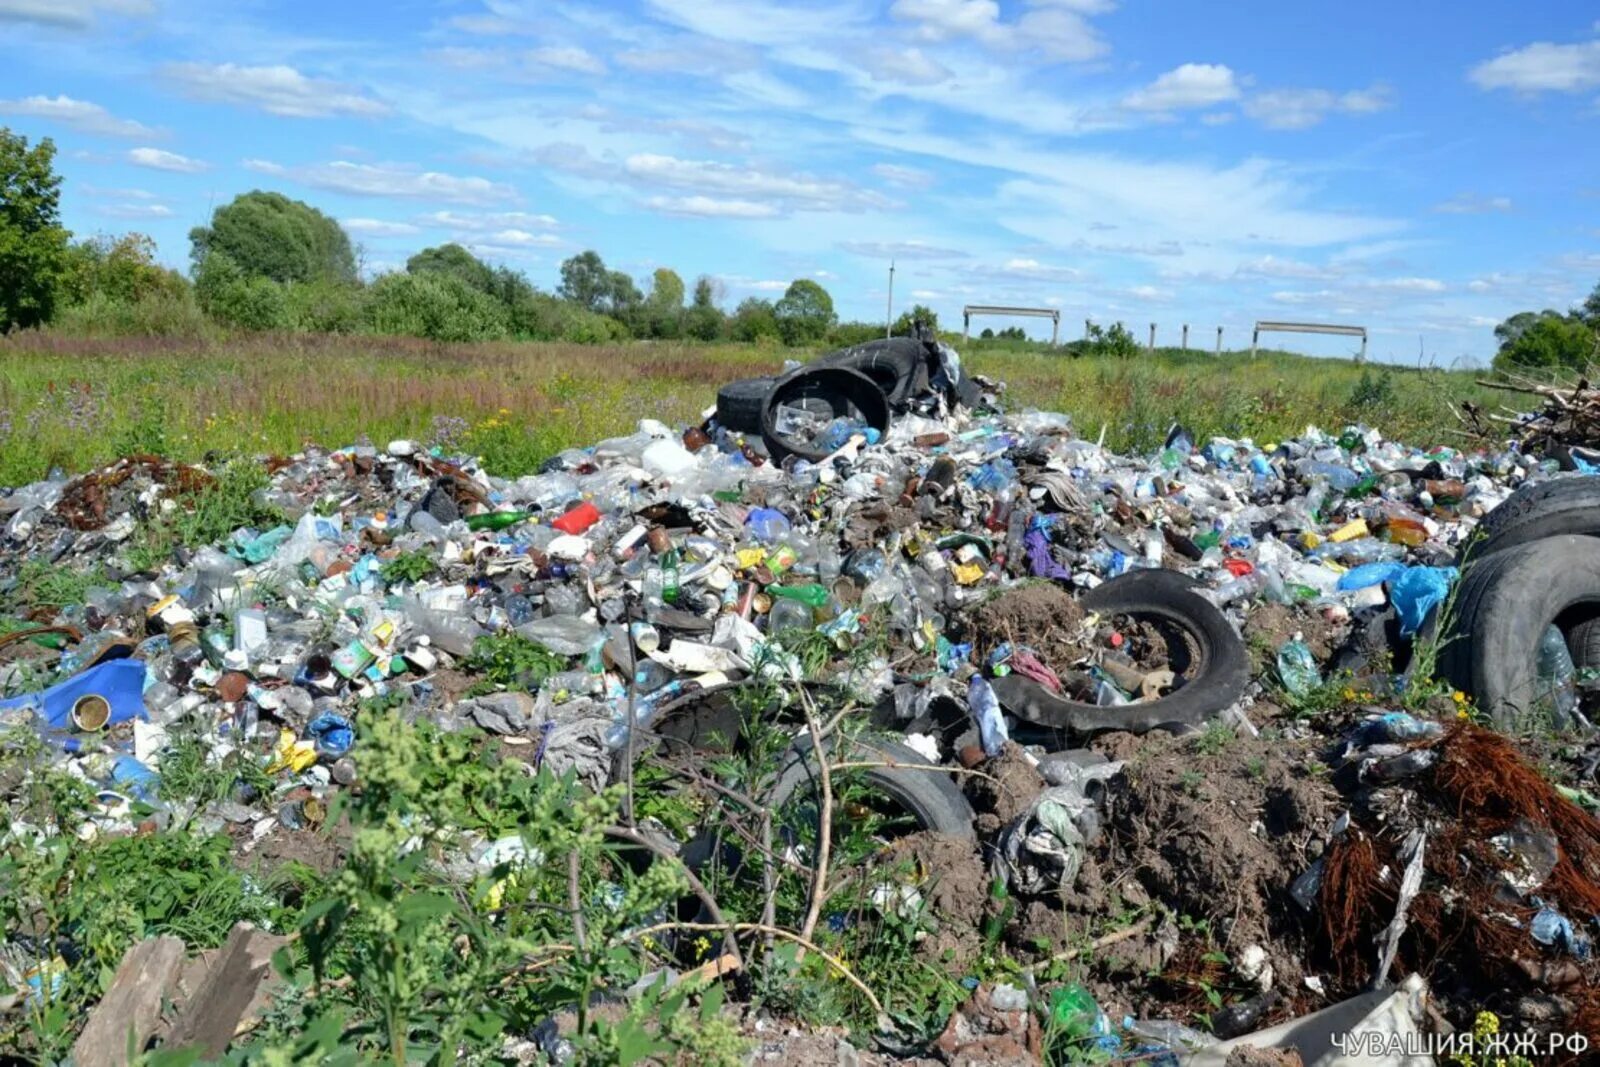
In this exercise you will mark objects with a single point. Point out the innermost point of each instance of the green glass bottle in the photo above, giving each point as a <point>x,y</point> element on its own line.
<point>810,594</point>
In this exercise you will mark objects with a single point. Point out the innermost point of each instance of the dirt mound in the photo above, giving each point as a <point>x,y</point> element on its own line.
<point>955,887</point>
<point>1003,788</point>
<point>1218,832</point>
<point>1041,615</point>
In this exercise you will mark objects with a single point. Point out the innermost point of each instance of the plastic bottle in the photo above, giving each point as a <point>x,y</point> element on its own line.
<point>788,615</point>
<point>812,594</point>
<point>985,709</point>
<point>1297,668</point>
<point>492,520</point>
<point>1557,675</point>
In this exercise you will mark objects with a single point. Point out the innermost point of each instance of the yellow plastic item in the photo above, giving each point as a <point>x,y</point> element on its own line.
<point>291,753</point>
<point>1309,540</point>
<point>966,573</point>
<point>1350,531</point>
<point>750,557</point>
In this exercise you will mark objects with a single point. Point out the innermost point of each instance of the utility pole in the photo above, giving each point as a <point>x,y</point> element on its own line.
<point>888,312</point>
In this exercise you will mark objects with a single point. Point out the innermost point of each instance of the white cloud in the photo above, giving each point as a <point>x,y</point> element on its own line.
<point>391,180</point>
<point>570,58</point>
<point>1299,109</point>
<point>903,66</point>
<point>521,239</point>
<point>1148,293</point>
<point>135,210</point>
<point>278,90</point>
<point>68,14</point>
<point>712,179</point>
<point>80,115</point>
<point>707,207</point>
<point>157,159</point>
<point>1023,267</point>
<point>1277,267</point>
<point>1542,67</point>
<point>1058,32</point>
<point>901,250</point>
<point>1406,285</point>
<point>1473,204</point>
<point>377,228</point>
<point>904,177</point>
<point>486,221</point>
<point>1189,86</point>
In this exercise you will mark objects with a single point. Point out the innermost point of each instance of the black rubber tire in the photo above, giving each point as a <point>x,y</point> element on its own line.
<point>929,796</point>
<point>899,366</point>
<point>1222,675</point>
<point>837,385</point>
<point>739,403</point>
<point>1502,607</point>
<point>1557,506</point>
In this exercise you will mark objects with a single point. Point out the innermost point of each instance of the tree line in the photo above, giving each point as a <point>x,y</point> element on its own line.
<point>269,262</point>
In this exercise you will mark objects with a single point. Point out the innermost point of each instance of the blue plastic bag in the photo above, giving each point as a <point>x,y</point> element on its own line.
<point>1369,574</point>
<point>1417,592</point>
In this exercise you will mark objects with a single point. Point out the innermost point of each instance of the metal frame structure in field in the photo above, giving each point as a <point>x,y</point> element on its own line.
<point>994,309</point>
<point>1311,327</point>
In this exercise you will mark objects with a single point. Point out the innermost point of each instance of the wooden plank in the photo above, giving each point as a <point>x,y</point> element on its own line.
<point>132,1004</point>
<point>233,988</point>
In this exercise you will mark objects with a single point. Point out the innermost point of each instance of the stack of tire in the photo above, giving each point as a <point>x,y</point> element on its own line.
<point>1533,563</point>
<point>872,379</point>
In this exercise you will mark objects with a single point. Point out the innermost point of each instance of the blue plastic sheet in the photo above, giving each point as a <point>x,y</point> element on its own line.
<point>121,682</point>
<point>1418,591</point>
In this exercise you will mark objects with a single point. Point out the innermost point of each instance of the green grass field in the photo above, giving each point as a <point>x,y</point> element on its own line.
<point>75,402</point>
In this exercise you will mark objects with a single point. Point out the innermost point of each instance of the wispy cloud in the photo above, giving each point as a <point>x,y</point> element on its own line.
<point>278,90</point>
<point>158,159</point>
<point>1299,109</point>
<point>377,228</point>
<point>901,250</point>
<point>1542,67</point>
<point>80,115</point>
<point>1193,85</point>
<point>1473,204</point>
<point>389,180</point>
<point>69,14</point>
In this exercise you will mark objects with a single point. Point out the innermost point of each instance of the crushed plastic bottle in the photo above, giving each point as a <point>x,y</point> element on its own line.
<point>1297,668</point>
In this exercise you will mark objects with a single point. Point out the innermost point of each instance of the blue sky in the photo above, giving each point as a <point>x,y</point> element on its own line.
<point>1424,169</point>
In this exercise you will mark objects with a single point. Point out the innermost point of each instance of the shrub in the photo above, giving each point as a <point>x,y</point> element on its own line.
<point>325,307</point>
<point>168,314</point>
<point>440,307</point>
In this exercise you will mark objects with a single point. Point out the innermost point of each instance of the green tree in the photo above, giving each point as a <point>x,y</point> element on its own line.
<point>918,313</point>
<point>1591,308</point>
<point>267,235</point>
<point>455,260</point>
<point>231,296</point>
<point>33,243</point>
<point>666,289</point>
<point>585,281</point>
<point>118,268</point>
<point>1510,330</point>
<point>704,320</point>
<point>754,320</point>
<point>1552,342</point>
<point>805,313</point>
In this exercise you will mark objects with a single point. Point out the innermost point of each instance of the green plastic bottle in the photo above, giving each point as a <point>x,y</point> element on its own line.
<point>497,520</point>
<point>810,594</point>
<point>1073,1009</point>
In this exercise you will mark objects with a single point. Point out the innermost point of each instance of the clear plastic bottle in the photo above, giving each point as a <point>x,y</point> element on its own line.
<point>1558,676</point>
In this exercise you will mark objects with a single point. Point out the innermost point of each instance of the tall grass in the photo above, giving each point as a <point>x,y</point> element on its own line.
<point>75,400</point>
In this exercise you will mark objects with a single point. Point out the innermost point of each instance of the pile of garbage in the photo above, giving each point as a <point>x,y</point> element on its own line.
<point>1082,629</point>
